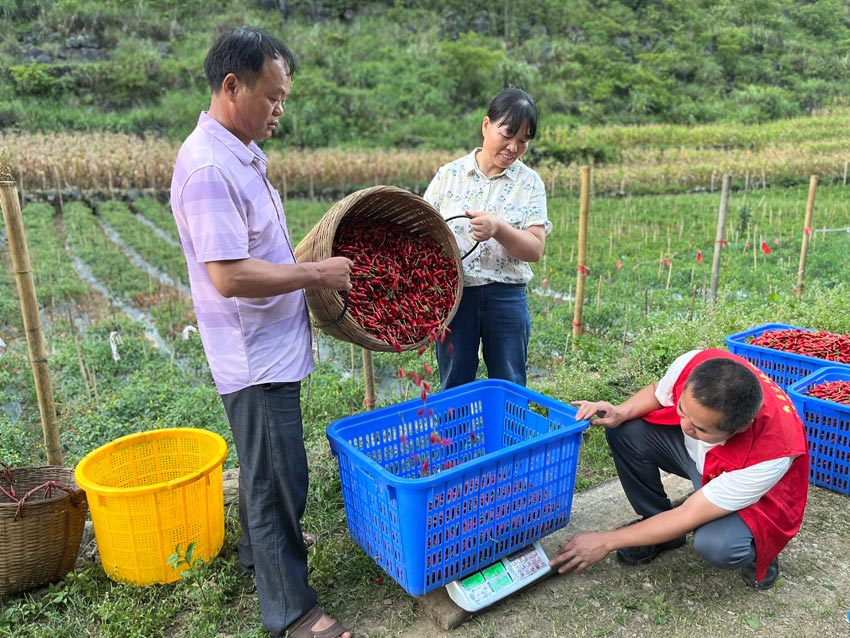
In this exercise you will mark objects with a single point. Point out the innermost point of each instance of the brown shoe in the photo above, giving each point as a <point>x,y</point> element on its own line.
<point>303,627</point>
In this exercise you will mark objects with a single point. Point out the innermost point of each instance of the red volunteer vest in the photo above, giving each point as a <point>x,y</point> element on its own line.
<point>777,431</point>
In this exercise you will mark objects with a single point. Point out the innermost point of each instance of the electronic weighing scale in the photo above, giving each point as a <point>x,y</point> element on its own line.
<point>490,584</point>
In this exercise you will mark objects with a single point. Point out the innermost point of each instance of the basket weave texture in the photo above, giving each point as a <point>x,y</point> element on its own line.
<point>41,546</point>
<point>378,204</point>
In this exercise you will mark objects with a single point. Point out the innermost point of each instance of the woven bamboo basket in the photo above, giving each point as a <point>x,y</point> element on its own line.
<point>378,204</point>
<point>41,545</point>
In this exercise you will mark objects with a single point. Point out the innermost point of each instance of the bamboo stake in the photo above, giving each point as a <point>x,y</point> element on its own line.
<point>755,253</point>
<point>718,237</point>
<point>29,309</point>
<point>599,293</point>
<point>807,229</point>
<point>584,205</point>
<point>369,379</point>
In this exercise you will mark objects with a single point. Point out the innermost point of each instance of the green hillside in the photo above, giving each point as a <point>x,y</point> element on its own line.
<point>410,73</point>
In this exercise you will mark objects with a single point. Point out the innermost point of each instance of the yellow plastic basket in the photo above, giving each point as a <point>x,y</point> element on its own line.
<point>150,492</point>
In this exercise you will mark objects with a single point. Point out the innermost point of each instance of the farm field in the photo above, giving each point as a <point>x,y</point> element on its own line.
<point>661,99</point>
<point>628,160</point>
<point>118,320</point>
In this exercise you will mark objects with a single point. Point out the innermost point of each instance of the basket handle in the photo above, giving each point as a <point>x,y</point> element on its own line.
<point>341,313</point>
<point>475,245</point>
<point>370,479</point>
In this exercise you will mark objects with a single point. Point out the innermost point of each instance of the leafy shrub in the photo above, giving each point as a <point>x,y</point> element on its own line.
<point>579,152</point>
<point>761,104</point>
<point>33,79</point>
<point>18,446</point>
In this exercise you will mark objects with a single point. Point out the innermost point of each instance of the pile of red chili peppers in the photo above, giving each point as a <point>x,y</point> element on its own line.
<point>820,344</point>
<point>838,391</point>
<point>403,285</point>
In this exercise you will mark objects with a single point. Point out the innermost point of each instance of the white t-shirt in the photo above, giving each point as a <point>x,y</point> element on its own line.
<point>733,490</point>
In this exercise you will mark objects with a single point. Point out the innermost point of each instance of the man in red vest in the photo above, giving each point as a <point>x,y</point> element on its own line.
<point>717,420</point>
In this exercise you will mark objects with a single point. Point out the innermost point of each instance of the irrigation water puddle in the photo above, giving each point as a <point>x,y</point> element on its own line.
<point>85,273</point>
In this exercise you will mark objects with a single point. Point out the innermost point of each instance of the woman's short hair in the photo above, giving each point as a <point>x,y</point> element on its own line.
<point>728,387</point>
<point>517,109</point>
<point>243,51</point>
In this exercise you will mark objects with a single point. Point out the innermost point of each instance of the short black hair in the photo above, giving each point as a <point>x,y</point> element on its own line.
<point>243,51</point>
<point>728,387</point>
<point>517,109</point>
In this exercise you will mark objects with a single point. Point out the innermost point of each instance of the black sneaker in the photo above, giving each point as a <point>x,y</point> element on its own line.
<point>770,576</point>
<point>646,553</point>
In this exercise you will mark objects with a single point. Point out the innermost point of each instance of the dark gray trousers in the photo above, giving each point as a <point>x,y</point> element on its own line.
<point>266,424</point>
<point>641,450</point>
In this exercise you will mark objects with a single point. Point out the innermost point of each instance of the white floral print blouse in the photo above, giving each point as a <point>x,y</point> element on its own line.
<point>516,195</point>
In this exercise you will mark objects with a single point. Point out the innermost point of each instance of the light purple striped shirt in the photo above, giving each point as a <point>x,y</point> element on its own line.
<point>225,208</point>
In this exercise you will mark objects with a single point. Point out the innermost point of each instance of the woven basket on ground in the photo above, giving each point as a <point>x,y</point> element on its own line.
<point>40,545</point>
<point>378,204</point>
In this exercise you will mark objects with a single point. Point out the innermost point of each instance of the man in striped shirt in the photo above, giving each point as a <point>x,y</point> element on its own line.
<point>248,293</point>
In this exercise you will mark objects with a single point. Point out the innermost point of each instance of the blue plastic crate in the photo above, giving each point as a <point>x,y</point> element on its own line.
<point>783,367</point>
<point>437,490</point>
<point>828,429</point>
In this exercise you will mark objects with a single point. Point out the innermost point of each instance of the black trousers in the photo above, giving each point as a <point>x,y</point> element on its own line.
<point>641,450</point>
<point>266,424</point>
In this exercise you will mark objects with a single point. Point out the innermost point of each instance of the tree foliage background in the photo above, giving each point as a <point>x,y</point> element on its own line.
<point>409,73</point>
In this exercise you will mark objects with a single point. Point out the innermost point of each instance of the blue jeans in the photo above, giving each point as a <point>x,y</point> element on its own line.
<point>495,316</point>
<point>266,424</point>
<point>640,450</point>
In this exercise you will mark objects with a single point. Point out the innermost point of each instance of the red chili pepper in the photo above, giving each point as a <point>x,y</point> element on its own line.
<point>836,391</point>
<point>819,344</point>
<point>403,285</point>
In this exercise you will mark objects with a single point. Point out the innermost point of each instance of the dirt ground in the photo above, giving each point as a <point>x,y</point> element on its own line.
<point>677,595</point>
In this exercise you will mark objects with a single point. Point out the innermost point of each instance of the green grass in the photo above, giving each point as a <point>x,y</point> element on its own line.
<point>634,330</point>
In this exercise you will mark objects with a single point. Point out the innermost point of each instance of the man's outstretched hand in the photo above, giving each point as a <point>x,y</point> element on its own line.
<point>580,552</point>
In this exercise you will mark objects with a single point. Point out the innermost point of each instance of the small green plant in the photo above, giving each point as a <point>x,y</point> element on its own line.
<point>180,559</point>
<point>199,581</point>
<point>745,217</point>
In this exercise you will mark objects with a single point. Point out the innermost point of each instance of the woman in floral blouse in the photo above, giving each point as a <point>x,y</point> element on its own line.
<point>502,204</point>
